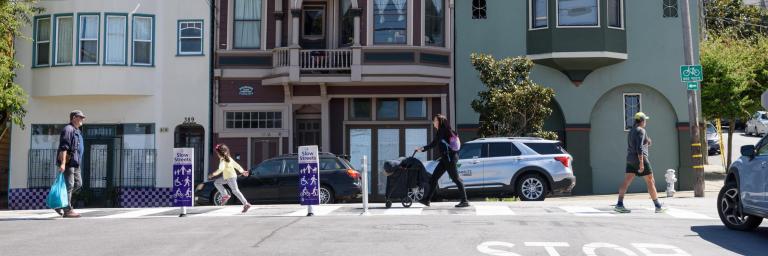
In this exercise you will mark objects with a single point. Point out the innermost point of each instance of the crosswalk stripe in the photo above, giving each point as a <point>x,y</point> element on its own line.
<point>136,213</point>
<point>226,211</point>
<point>586,211</point>
<point>403,211</point>
<point>683,214</point>
<point>317,210</point>
<point>490,210</point>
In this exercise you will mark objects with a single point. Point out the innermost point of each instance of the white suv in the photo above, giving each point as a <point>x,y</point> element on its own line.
<point>529,168</point>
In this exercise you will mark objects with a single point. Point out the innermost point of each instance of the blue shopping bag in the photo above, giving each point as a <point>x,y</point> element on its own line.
<point>57,197</point>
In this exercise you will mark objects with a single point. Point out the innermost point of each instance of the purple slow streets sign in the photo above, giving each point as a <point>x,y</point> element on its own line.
<point>309,175</point>
<point>183,182</point>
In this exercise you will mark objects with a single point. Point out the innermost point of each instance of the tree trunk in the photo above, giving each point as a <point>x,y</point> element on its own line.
<point>731,127</point>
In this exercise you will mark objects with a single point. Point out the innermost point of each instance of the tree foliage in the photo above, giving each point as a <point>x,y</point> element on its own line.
<point>735,76</point>
<point>733,18</point>
<point>513,105</point>
<point>14,15</point>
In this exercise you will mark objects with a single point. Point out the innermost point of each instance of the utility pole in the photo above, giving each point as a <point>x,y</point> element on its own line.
<point>693,105</point>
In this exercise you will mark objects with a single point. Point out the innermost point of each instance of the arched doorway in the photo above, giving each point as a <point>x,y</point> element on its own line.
<point>192,135</point>
<point>610,121</point>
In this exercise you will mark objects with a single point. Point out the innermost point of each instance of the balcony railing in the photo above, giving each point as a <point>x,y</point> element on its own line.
<point>126,168</point>
<point>325,60</point>
<point>281,57</point>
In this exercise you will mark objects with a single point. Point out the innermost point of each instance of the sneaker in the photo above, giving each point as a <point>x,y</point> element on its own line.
<point>58,211</point>
<point>661,209</point>
<point>246,207</point>
<point>462,205</point>
<point>424,202</point>
<point>225,199</point>
<point>621,209</point>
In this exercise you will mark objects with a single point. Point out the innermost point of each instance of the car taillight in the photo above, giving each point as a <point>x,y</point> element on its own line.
<point>353,174</point>
<point>566,161</point>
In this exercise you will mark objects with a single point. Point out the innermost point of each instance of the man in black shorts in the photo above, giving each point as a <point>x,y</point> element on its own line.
<point>638,164</point>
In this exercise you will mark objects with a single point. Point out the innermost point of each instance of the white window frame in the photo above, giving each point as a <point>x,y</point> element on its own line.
<point>408,29</point>
<point>106,39</point>
<point>178,40</point>
<point>80,23</point>
<point>263,38</point>
<point>531,16</point>
<point>151,41</point>
<point>557,17</point>
<point>37,43</point>
<point>608,17</point>
<point>624,105</point>
<point>55,56</point>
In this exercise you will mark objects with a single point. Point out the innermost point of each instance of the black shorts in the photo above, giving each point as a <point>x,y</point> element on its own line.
<point>633,168</point>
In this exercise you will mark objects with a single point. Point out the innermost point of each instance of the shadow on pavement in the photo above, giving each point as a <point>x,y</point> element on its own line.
<point>744,243</point>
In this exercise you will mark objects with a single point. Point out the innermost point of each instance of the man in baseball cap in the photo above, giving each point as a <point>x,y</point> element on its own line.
<point>638,164</point>
<point>69,157</point>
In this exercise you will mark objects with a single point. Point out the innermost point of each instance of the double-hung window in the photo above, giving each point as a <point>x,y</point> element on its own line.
<point>247,24</point>
<point>190,37</point>
<point>143,40</point>
<point>42,49</point>
<point>64,33</point>
<point>390,21</point>
<point>88,39</point>
<point>539,14</point>
<point>116,39</point>
<point>578,13</point>
<point>434,27</point>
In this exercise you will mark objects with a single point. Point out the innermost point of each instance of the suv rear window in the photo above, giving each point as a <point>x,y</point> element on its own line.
<point>546,148</point>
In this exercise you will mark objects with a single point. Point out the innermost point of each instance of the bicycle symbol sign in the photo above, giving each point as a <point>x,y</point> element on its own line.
<point>691,73</point>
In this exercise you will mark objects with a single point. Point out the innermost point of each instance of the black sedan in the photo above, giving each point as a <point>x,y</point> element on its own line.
<point>276,180</point>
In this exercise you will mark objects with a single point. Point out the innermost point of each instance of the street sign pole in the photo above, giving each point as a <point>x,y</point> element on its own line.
<point>693,106</point>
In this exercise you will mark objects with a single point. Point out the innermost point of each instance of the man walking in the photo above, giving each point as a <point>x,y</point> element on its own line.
<point>638,163</point>
<point>69,157</point>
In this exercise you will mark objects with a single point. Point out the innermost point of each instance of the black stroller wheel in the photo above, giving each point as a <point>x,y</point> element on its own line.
<point>388,204</point>
<point>407,202</point>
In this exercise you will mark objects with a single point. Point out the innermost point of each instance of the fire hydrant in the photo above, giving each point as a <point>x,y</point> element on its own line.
<point>671,179</point>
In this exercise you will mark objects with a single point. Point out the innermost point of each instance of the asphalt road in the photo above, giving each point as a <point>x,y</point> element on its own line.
<point>739,139</point>
<point>563,227</point>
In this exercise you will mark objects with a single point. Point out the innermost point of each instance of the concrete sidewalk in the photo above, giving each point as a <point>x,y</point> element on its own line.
<point>714,176</point>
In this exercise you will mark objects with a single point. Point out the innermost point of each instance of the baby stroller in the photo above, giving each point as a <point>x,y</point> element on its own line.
<point>407,180</point>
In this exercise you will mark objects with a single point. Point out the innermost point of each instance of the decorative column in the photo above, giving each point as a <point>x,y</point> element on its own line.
<point>357,53</point>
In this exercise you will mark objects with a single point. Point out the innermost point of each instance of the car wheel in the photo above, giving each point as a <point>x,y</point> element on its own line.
<point>531,187</point>
<point>729,209</point>
<point>326,195</point>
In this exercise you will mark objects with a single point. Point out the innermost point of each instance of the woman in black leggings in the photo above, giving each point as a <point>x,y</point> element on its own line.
<point>447,160</point>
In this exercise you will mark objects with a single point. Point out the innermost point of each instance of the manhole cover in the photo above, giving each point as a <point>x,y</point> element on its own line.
<point>403,227</point>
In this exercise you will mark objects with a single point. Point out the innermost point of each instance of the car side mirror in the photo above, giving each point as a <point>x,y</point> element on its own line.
<point>748,150</point>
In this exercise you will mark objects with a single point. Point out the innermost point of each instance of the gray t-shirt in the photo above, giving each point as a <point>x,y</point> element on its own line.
<point>637,141</point>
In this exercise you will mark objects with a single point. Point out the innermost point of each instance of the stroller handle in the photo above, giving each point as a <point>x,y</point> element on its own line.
<point>414,153</point>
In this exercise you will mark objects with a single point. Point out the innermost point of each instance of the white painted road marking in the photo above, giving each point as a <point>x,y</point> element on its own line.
<point>586,211</point>
<point>491,210</point>
<point>136,213</point>
<point>319,210</point>
<point>403,211</point>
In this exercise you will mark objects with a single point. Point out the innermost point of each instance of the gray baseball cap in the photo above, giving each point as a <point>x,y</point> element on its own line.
<point>75,113</point>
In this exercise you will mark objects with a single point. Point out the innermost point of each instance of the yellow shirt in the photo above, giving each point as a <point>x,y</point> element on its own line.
<point>230,169</point>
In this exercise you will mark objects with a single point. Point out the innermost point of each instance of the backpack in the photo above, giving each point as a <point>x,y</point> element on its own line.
<point>454,143</point>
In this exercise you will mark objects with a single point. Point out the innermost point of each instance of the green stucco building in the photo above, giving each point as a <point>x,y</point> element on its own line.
<point>606,60</point>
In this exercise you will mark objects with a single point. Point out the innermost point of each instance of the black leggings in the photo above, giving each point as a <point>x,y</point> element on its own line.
<point>450,167</point>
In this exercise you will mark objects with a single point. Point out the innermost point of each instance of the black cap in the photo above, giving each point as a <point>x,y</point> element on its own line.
<point>75,113</point>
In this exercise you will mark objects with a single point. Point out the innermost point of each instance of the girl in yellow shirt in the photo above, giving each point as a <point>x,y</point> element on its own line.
<point>229,170</point>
